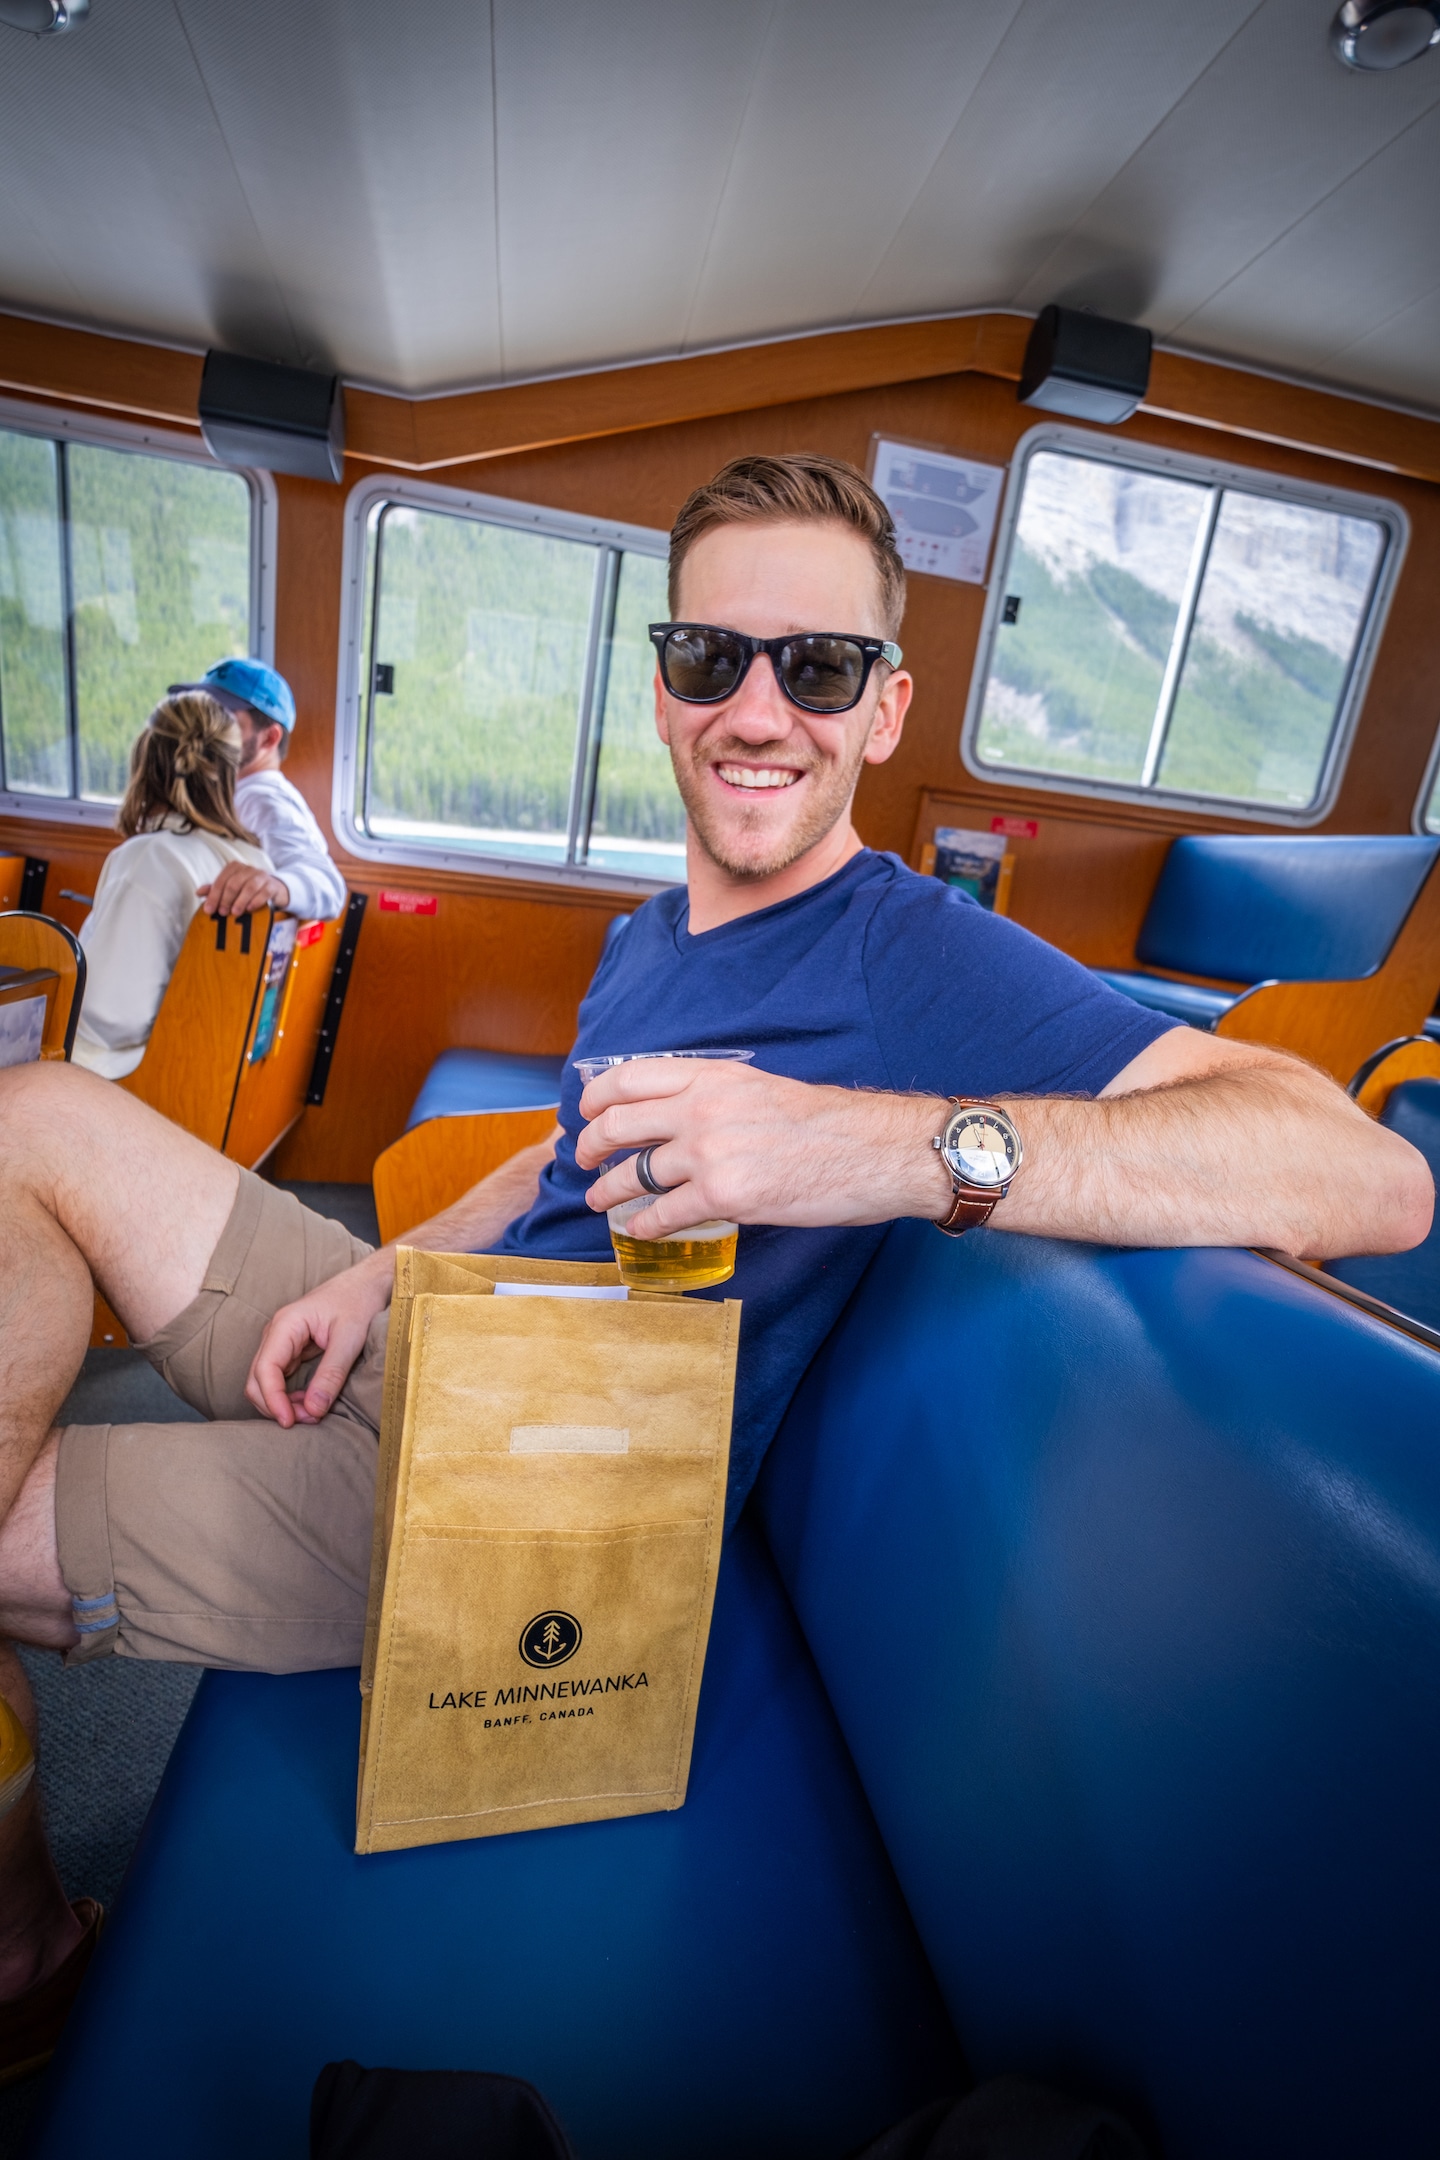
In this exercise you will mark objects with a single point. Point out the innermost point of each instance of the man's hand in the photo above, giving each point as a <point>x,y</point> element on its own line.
<point>241,888</point>
<point>741,1145</point>
<point>333,1320</point>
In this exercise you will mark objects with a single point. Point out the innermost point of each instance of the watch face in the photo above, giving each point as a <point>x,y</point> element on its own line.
<point>982,1148</point>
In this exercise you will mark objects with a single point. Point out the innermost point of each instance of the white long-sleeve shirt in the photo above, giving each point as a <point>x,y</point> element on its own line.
<point>145,900</point>
<point>273,808</point>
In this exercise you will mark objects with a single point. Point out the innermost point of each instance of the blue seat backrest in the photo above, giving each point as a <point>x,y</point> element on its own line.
<point>614,930</point>
<point>466,1083</point>
<point>1408,1280</point>
<point>1247,908</point>
<point>1122,1571</point>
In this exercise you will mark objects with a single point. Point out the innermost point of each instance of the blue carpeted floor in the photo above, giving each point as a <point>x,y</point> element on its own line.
<point>106,1730</point>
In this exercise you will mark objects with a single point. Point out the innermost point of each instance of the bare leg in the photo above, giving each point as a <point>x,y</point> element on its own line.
<point>93,1185</point>
<point>38,1930</point>
<point>94,1188</point>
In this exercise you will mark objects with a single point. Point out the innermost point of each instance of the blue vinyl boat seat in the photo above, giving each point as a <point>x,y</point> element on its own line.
<point>462,1083</point>
<point>1245,909</point>
<point>1067,1699</point>
<point>738,1976</point>
<point>1410,1281</point>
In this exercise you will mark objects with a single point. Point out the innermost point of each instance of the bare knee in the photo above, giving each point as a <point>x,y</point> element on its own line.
<point>40,1105</point>
<point>34,1602</point>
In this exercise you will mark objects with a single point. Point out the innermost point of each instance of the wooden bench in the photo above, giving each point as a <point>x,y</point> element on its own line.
<point>230,1054</point>
<point>40,957</point>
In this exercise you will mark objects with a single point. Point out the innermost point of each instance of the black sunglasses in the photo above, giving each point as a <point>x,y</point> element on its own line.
<point>820,671</point>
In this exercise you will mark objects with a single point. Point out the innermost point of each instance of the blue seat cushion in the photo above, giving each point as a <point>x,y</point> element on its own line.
<point>739,1976</point>
<point>1410,1281</point>
<point>1258,907</point>
<point>1121,1572</point>
<point>1194,1002</point>
<point>463,1082</point>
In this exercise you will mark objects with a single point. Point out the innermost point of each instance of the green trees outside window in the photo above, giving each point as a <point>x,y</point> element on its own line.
<point>508,708</point>
<point>120,572</point>
<point>1168,633</point>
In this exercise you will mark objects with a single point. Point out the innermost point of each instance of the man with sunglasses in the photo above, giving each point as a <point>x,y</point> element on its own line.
<point>913,1056</point>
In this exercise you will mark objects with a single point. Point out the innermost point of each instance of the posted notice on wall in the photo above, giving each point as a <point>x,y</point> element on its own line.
<point>944,508</point>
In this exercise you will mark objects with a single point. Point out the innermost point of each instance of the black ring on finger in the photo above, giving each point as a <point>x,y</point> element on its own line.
<point>646,1175</point>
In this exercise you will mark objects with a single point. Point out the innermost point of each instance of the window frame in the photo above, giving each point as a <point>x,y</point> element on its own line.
<point>1427,788</point>
<point>53,424</point>
<point>351,735</point>
<point>1247,479</point>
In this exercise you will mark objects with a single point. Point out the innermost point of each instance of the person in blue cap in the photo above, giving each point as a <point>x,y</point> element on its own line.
<point>304,879</point>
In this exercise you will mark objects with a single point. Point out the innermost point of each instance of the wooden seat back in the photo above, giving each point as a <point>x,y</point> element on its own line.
<point>37,944</point>
<point>431,1166</point>
<point>270,1090</point>
<point>230,1052</point>
<point>12,871</point>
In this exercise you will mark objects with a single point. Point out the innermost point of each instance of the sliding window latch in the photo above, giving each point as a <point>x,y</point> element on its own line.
<point>384,678</point>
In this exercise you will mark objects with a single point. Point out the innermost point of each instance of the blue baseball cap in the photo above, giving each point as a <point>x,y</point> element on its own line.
<point>248,682</point>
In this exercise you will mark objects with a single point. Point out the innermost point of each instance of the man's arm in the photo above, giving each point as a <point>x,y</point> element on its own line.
<point>1198,1141</point>
<point>335,1318</point>
<point>284,824</point>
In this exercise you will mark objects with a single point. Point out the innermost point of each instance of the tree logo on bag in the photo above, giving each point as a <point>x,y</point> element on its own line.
<point>550,1639</point>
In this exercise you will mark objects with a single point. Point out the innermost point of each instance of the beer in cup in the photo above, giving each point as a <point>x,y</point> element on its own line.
<point>690,1259</point>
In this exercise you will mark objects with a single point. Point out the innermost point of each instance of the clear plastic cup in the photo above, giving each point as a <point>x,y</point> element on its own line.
<point>590,1068</point>
<point>693,1259</point>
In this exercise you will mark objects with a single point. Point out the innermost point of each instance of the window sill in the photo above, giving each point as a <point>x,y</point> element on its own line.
<point>58,810</point>
<point>411,854</point>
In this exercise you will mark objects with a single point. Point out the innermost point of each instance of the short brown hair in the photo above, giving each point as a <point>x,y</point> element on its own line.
<point>184,761</point>
<point>799,488</point>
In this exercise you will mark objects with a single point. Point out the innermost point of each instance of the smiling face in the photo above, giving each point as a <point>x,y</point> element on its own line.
<point>765,784</point>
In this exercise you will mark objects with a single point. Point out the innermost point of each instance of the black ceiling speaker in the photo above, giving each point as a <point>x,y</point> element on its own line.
<point>44,18</point>
<point>1377,35</point>
<point>286,419</point>
<point>1085,366</point>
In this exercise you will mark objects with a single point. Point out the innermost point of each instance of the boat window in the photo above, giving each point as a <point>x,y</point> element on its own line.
<point>1173,630</point>
<point>1430,795</point>
<point>508,708</point>
<point>121,571</point>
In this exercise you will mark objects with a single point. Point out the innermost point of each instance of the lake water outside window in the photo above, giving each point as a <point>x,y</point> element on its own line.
<point>120,572</point>
<point>509,702</point>
<point>1179,635</point>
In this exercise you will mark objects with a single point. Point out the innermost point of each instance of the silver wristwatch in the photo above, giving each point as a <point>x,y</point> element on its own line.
<point>980,1147</point>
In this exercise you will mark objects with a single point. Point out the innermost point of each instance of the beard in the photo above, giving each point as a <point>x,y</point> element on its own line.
<point>742,843</point>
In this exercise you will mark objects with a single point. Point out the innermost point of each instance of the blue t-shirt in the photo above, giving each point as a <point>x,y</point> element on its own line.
<point>876,978</point>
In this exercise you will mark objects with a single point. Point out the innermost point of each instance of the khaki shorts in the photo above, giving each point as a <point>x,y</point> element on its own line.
<point>233,1543</point>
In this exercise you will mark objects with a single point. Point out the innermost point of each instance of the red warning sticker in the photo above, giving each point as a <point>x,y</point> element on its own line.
<point>309,933</point>
<point>409,903</point>
<point>1016,828</point>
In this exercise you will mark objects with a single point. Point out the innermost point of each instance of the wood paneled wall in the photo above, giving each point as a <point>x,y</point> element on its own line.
<point>502,965</point>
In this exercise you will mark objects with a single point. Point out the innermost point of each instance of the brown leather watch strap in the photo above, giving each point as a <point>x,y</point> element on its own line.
<point>966,1214</point>
<point>966,1210</point>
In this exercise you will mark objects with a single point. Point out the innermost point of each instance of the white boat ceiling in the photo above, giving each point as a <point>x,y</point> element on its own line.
<point>433,193</point>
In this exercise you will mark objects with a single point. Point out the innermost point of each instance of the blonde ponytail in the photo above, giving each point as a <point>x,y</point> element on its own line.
<point>184,764</point>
